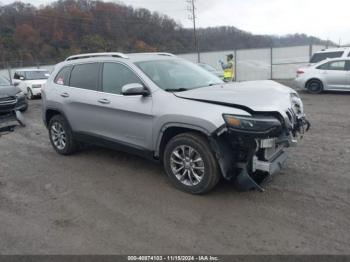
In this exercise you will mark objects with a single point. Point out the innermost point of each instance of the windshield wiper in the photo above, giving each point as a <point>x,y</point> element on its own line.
<point>176,89</point>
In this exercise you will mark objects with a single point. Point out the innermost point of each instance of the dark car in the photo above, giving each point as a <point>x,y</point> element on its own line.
<point>7,90</point>
<point>12,100</point>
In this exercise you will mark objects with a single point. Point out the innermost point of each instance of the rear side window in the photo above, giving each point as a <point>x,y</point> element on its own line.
<point>318,57</point>
<point>336,65</point>
<point>85,76</point>
<point>62,77</point>
<point>115,76</point>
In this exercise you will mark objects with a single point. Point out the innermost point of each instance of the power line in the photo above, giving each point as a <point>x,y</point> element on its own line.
<point>192,9</point>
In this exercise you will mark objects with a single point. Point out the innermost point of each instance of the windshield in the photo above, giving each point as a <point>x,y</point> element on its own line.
<point>177,74</point>
<point>4,81</point>
<point>34,75</point>
<point>207,67</point>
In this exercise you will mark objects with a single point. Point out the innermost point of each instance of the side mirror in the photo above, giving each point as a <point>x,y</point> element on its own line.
<point>21,78</point>
<point>135,89</point>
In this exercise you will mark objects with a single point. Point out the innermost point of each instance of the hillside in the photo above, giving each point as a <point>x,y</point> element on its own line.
<point>30,35</point>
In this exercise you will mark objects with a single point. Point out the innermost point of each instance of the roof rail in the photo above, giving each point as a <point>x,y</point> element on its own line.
<point>166,54</point>
<point>156,53</point>
<point>90,55</point>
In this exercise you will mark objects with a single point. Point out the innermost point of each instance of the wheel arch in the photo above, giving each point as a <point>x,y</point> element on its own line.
<point>51,112</point>
<point>171,130</point>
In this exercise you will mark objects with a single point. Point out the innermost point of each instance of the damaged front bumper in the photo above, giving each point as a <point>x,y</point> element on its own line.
<point>252,176</point>
<point>9,120</point>
<point>252,160</point>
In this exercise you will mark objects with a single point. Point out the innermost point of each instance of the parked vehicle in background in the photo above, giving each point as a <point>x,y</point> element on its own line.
<point>30,81</point>
<point>171,110</point>
<point>12,100</point>
<point>211,69</point>
<point>331,74</point>
<point>7,90</point>
<point>340,52</point>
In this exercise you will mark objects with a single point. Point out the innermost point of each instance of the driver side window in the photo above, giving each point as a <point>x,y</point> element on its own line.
<point>115,76</point>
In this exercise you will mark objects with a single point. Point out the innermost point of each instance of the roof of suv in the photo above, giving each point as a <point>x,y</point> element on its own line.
<point>31,70</point>
<point>134,57</point>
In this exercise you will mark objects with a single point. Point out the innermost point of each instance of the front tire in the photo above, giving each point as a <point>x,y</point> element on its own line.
<point>314,86</point>
<point>61,136</point>
<point>190,163</point>
<point>30,95</point>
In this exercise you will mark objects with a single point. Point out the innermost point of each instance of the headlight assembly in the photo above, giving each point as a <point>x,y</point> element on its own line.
<point>20,94</point>
<point>253,124</point>
<point>297,104</point>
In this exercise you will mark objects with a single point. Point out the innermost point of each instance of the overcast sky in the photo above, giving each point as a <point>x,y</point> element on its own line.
<point>322,18</point>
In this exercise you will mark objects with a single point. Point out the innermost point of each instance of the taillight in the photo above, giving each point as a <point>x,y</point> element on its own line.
<point>300,72</point>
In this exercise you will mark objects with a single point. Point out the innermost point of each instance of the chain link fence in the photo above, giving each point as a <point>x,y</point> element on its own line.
<point>263,63</point>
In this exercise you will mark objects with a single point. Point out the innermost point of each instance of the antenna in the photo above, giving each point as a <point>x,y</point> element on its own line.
<point>192,16</point>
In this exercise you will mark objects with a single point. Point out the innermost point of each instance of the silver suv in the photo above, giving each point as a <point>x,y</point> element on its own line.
<point>173,111</point>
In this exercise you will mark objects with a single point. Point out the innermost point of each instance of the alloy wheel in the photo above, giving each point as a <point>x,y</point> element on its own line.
<point>58,136</point>
<point>187,165</point>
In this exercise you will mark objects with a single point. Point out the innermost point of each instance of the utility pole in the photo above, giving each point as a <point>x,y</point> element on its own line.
<point>192,9</point>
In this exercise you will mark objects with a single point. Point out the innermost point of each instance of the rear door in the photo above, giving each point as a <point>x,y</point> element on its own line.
<point>335,74</point>
<point>78,96</point>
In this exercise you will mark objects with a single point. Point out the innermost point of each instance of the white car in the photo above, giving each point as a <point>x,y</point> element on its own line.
<point>340,52</point>
<point>30,81</point>
<point>330,74</point>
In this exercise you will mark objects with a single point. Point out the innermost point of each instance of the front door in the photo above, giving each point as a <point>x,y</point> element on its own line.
<point>124,119</point>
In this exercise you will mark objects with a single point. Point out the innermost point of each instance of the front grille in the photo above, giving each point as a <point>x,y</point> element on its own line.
<point>7,103</point>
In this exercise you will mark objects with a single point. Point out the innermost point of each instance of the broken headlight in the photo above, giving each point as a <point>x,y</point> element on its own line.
<point>253,124</point>
<point>297,104</point>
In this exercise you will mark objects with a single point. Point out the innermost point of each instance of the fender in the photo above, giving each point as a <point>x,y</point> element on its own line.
<point>174,124</point>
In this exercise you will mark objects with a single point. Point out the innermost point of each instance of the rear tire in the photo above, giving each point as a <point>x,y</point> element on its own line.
<point>314,86</point>
<point>190,163</point>
<point>61,136</point>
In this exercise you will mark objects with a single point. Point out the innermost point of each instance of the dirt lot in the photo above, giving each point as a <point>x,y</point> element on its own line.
<point>105,202</point>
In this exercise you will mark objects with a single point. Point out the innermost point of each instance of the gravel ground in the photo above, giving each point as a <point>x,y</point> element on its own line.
<point>104,202</point>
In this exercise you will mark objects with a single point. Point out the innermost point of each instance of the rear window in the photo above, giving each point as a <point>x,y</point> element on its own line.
<point>62,77</point>
<point>85,76</point>
<point>318,57</point>
<point>36,75</point>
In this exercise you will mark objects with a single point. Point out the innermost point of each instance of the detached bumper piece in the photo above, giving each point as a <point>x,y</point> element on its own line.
<point>247,182</point>
<point>10,120</point>
<point>272,157</point>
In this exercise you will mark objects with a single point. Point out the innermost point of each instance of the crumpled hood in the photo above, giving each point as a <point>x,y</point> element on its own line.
<point>258,96</point>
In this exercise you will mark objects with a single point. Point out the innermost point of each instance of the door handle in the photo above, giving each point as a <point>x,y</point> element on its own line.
<point>65,95</point>
<point>104,101</point>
